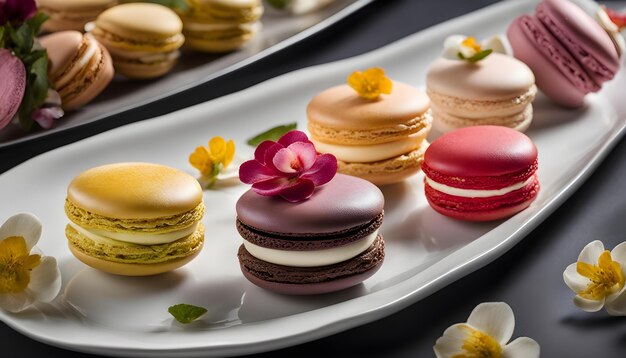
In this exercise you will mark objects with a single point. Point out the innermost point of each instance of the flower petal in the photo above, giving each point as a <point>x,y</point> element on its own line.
<point>619,253</point>
<point>252,172</point>
<point>293,136</point>
<point>286,161</point>
<point>522,347</point>
<point>575,281</point>
<point>616,305</point>
<point>306,154</point>
<point>45,280</point>
<point>452,340</point>
<point>588,305</point>
<point>270,154</point>
<point>301,190</point>
<point>494,318</point>
<point>271,186</point>
<point>591,252</point>
<point>261,149</point>
<point>323,170</point>
<point>25,225</point>
<point>16,302</point>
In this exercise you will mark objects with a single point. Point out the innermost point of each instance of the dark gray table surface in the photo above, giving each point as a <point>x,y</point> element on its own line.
<point>529,277</point>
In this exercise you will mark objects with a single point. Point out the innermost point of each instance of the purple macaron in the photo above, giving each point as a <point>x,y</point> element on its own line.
<point>326,243</point>
<point>569,52</point>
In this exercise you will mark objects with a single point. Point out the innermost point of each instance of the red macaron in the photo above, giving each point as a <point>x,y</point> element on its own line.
<point>481,173</point>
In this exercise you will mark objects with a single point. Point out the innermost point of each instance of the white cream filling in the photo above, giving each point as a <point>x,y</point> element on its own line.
<point>471,193</point>
<point>373,152</point>
<point>110,237</point>
<point>81,63</point>
<point>311,258</point>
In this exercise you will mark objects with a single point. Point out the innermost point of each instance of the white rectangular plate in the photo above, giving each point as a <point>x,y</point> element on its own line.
<point>111,315</point>
<point>193,69</point>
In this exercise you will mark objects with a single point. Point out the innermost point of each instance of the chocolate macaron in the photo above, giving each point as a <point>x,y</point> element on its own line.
<point>327,243</point>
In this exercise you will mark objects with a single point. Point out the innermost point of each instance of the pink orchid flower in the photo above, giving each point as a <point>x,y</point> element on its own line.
<point>290,168</point>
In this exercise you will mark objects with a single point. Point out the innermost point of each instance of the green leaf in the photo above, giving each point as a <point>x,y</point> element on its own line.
<point>2,41</point>
<point>479,56</point>
<point>36,21</point>
<point>173,4</point>
<point>280,4</point>
<point>22,38</point>
<point>272,134</point>
<point>40,84</point>
<point>185,313</point>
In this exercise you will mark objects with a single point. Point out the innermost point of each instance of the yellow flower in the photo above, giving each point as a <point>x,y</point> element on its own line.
<point>371,83</point>
<point>212,160</point>
<point>598,278</point>
<point>25,277</point>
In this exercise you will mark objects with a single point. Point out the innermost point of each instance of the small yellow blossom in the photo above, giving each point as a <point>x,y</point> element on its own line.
<point>16,263</point>
<point>479,344</point>
<point>606,277</point>
<point>371,83</point>
<point>212,160</point>
<point>471,43</point>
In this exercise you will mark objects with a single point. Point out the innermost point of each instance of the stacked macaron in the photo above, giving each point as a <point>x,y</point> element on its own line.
<point>71,14</point>
<point>143,39</point>
<point>306,230</point>
<point>80,67</point>
<point>481,173</point>
<point>569,52</point>
<point>134,219</point>
<point>497,90</point>
<point>381,139</point>
<point>221,25</point>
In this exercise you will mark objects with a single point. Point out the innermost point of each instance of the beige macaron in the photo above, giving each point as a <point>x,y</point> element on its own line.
<point>71,14</point>
<point>380,140</point>
<point>498,90</point>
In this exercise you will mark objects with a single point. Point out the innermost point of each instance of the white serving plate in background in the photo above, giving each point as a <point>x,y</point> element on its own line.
<point>123,316</point>
<point>279,30</point>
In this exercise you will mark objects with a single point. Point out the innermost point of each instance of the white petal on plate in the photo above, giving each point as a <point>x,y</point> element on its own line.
<point>575,281</point>
<point>619,254</point>
<point>588,305</point>
<point>494,318</point>
<point>452,340</point>
<point>616,304</point>
<point>591,252</point>
<point>45,280</point>
<point>25,225</point>
<point>522,347</point>
<point>16,302</point>
<point>499,44</point>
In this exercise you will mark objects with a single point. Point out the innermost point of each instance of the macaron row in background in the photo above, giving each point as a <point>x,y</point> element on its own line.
<point>310,223</point>
<point>89,41</point>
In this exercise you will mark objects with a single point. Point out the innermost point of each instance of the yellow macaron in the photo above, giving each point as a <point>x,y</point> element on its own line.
<point>134,219</point>
<point>217,26</point>
<point>381,140</point>
<point>71,14</point>
<point>143,38</point>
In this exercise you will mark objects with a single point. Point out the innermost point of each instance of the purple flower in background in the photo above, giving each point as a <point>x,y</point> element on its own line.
<point>16,11</point>
<point>50,112</point>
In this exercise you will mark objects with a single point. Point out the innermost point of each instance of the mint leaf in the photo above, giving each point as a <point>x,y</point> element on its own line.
<point>479,56</point>
<point>280,4</point>
<point>174,4</point>
<point>185,313</point>
<point>36,21</point>
<point>272,134</point>
<point>22,38</point>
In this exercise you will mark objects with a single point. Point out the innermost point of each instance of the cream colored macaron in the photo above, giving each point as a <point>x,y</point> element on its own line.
<point>134,218</point>
<point>71,14</point>
<point>380,140</point>
<point>498,90</point>
<point>143,39</point>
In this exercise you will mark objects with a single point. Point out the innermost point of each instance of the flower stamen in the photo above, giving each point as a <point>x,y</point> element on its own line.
<point>16,263</point>
<point>606,277</point>
<point>479,344</point>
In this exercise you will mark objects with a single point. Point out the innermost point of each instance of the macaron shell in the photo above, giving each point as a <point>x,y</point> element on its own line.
<point>220,41</point>
<point>583,37</point>
<point>343,203</point>
<point>445,122</point>
<point>92,81</point>
<point>71,14</point>
<point>62,48</point>
<point>481,151</point>
<point>149,191</point>
<point>482,209</point>
<point>496,77</point>
<point>142,71</point>
<point>341,107</point>
<point>140,21</point>
<point>123,269</point>
<point>558,75</point>
<point>390,171</point>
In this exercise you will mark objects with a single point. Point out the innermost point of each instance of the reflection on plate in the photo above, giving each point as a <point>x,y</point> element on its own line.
<point>279,31</point>
<point>425,251</point>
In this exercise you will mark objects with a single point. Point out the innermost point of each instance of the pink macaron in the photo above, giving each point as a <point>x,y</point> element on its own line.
<point>569,52</point>
<point>481,173</point>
